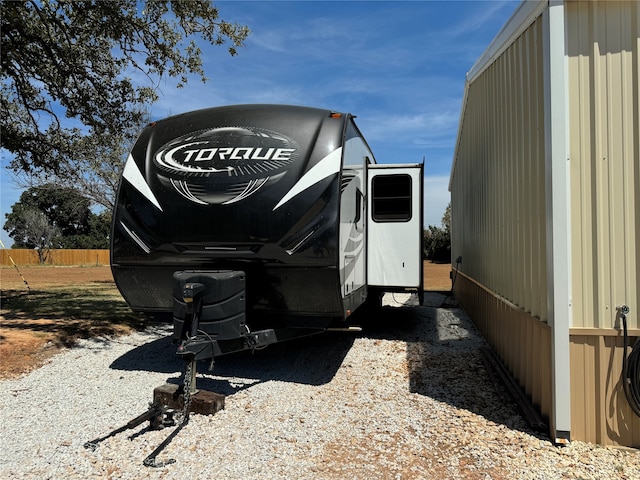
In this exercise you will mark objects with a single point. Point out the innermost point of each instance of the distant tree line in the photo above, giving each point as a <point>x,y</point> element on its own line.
<point>50,216</point>
<point>437,240</point>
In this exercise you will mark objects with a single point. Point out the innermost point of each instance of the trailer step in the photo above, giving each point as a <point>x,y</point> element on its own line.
<point>203,402</point>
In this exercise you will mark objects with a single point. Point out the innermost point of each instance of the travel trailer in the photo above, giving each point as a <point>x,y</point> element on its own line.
<point>252,224</point>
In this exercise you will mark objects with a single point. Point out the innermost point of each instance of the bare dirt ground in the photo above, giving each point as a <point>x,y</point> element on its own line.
<point>29,338</point>
<point>436,276</point>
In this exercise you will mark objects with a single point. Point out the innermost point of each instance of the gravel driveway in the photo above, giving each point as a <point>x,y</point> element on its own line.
<point>406,398</point>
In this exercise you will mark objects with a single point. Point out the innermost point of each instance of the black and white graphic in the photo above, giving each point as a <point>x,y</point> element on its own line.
<point>226,164</point>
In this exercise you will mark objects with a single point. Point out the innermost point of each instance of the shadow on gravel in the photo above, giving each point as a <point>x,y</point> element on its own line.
<point>295,361</point>
<point>443,353</point>
<point>154,356</point>
<point>444,358</point>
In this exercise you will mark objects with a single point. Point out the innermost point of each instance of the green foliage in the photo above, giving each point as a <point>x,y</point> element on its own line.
<point>94,169</point>
<point>437,241</point>
<point>437,244</point>
<point>99,230</point>
<point>53,217</point>
<point>74,60</point>
<point>446,218</point>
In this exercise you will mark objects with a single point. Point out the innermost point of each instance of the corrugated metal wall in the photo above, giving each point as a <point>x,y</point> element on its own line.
<point>499,216</point>
<point>603,47</point>
<point>521,341</point>
<point>600,412</point>
<point>499,212</point>
<point>498,186</point>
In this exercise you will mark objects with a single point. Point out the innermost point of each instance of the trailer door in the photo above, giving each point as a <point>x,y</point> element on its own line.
<point>395,227</point>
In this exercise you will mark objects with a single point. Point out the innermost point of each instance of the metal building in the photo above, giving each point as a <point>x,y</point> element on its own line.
<point>545,190</point>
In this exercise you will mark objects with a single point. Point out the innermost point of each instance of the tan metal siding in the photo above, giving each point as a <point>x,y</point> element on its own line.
<point>498,208</point>
<point>498,187</point>
<point>603,49</point>
<point>522,341</point>
<point>599,410</point>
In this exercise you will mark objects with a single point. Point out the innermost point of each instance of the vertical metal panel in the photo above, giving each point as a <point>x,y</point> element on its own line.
<point>600,413</point>
<point>498,186</point>
<point>499,199</point>
<point>603,50</point>
<point>522,341</point>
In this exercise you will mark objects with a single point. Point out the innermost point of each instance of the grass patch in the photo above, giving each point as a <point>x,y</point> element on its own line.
<point>70,312</point>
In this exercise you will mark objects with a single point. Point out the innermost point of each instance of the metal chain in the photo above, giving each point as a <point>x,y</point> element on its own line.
<point>186,395</point>
<point>150,461</point>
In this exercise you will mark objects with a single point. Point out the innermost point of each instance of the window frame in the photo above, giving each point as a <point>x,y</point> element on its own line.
<point>391,215</point>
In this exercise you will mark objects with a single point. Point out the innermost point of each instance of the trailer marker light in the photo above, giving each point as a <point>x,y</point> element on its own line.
<point>335,115</point>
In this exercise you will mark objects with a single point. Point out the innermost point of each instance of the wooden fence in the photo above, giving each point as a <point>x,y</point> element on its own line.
<point>55,257</point>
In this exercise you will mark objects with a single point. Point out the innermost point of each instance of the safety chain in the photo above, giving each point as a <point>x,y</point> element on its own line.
<point>151,461</point>
<point>186,395</point>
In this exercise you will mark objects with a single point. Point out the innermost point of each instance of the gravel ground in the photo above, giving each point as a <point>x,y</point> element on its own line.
<point>406,398</point>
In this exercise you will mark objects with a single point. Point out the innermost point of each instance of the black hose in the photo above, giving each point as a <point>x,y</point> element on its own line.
<point>631,370</point>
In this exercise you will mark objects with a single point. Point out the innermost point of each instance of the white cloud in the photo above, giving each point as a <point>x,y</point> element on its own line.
<point>477,18</point>
<point>435,129</point>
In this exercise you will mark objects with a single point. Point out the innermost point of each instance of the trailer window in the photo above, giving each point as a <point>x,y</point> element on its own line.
<point>391,198</point>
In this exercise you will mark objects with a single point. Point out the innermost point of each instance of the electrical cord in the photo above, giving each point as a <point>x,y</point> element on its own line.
<point>631,370</point>
<point>213,350</point>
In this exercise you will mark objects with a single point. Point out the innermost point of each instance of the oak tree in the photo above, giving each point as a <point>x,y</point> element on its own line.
<point>67,69</point>
<point>53,217</point>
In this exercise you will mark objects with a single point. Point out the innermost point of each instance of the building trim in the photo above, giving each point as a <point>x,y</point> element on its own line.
<point>602,332</point>
<point>526,13</point>
<point>558,214</point>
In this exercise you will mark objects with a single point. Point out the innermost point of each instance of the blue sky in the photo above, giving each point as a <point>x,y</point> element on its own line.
<point>399,66</point>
